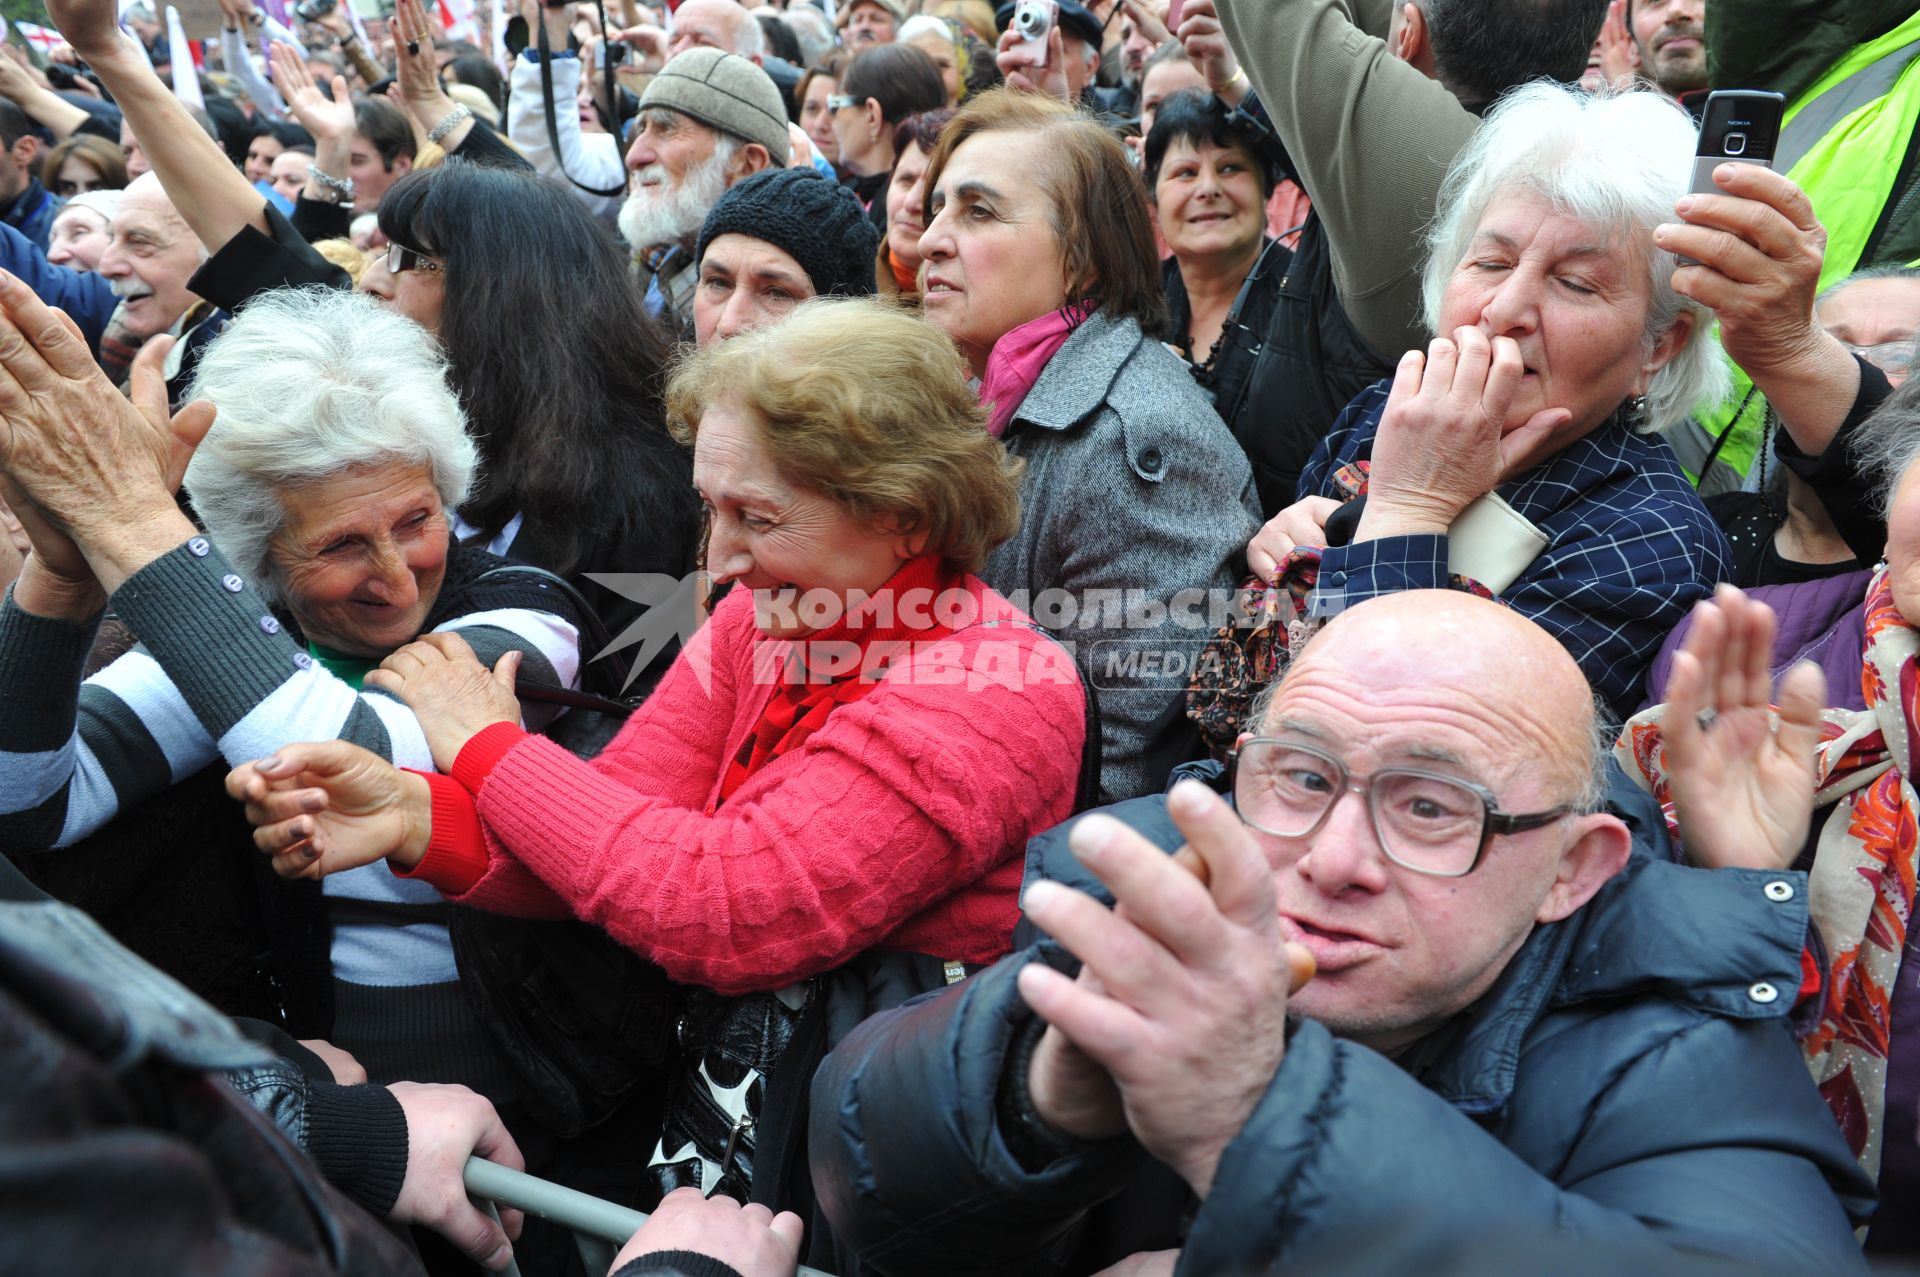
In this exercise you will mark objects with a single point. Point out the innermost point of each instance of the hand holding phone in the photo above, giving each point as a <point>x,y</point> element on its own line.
<point>1033,22</point>
<point>1739,126</point>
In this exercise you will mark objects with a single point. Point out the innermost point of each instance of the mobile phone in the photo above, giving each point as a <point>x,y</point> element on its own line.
<point>1739,126</point>
<point>1033,22</point>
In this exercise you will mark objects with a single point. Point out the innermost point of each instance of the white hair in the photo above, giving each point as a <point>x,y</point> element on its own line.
<point>1613,160</point>
<point>749,41</point>
<point>924,24</point>
<point>812,30</point>
<point>310,383</point>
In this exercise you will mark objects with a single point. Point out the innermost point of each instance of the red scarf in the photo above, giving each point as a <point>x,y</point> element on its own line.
<point>800,704</point>
<point>1018,358</point>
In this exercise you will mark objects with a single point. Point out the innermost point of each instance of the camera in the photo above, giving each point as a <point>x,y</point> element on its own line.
<point>1033,21</point>
<point>314,10</point>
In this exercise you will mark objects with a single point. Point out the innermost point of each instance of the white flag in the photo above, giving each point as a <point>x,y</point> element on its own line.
<point>186,76</point>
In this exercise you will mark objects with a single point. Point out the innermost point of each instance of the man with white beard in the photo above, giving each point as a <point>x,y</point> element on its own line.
<point>707,120</point>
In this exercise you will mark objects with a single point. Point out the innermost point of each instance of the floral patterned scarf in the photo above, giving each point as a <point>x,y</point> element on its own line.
<point>1861,886</point>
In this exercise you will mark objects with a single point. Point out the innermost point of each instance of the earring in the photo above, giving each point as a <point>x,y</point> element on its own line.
<point>1634,413</point>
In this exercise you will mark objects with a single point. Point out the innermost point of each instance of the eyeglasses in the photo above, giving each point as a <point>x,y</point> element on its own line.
<point>1425,821</point>
<point>400,257</point>
<point>1895,358</point>
<point>840,101</point>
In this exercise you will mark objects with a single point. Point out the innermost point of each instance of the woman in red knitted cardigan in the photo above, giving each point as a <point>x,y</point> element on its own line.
<point>849,757</point>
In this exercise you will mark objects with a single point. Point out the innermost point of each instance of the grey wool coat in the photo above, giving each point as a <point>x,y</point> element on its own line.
<point>1134,492</point>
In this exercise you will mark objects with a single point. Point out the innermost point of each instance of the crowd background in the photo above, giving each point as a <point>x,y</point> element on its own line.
<point>770,612</point>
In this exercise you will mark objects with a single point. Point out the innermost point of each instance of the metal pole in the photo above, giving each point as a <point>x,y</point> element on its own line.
<point>564,1206</point>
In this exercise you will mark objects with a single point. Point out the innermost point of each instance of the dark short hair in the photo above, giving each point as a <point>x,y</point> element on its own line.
<point>1100,213</point>
<point>285,132</point>
<point>1482,48</point>
<point>16,124</point>
<point>921,129</point>
<point>381,123</point>
<point>780,38</point>
<point>1196,116</point>
<point>901,78</point>
<point>477,71</point>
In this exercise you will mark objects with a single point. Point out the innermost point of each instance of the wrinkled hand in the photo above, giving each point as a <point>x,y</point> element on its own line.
<point>751,1240</point>
<point>1302,523</point>
<point>445,1126</point>
<point>94,461</point>
<point>1442,442</point>
<point>1206,44</point>
<point>326,120</point>
<point>92,27</point>
<point>1619,55</point>
<point>1146,1263</point>
<point>1760,249</point>
<point>1183,992</point>
<point>452,694</point>
<point>417,75</point>
<point>1742,788</point>
<point>1151,23</point>
<point>1017,68</point>
<point>346,1070</point>
<point>326,807</point>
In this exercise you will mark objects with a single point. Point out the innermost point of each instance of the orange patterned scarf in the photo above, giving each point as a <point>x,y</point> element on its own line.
<point>1861,886</point>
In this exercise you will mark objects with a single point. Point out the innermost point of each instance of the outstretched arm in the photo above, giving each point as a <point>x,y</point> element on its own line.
<point>209,192</point>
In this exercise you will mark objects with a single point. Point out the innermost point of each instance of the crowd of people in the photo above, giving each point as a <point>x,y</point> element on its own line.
<point>769,613</point>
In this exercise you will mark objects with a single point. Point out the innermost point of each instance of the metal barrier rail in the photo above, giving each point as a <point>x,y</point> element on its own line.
<point>588,1217</point>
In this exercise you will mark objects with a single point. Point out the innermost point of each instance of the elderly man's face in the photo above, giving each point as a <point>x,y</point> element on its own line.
<point>706,24</point>
<point>132,152</point>
<point>745,283</point>
<point>1575,298</point>
<point>869,24</point>
<point>1449,684</point>
<point>1080,61</point>
<point>152,255</point>
<point>362,556</point>
<point>678,176</point>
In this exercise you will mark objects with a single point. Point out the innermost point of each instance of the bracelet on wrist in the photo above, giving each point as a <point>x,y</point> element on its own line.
<point>446,126</point>
<point>342,187</point>
<point>1238,77</point>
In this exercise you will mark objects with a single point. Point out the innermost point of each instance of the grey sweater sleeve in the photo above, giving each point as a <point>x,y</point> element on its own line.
<point>1371,138</point>
<point>41,660</point>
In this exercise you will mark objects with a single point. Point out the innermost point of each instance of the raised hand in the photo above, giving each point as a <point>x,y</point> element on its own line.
<point>1619,56</point>
<point>1443,442</point>
<point>326,120</point>
<point>452,694</point>
<point>92,27</point>
<point>1182,997</point>
<point>1018,69</point>
<point>1742,788</point>
<point>1205,41</point>
<point>327,807</point>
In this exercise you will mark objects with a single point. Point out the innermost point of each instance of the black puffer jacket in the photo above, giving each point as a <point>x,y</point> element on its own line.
<point>1623,1081</point>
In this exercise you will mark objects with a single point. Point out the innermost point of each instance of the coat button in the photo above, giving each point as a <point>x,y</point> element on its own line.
<point>232,583</point>
<point>269,626</point>
<point>1763,993</point>
<point>1151,460</point>
<point>302,661</point>
<point>1779,891</point>
<point>198,547</point>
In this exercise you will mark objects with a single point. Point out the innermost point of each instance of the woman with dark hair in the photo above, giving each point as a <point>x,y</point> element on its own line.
<point>476,72</point>
<point>881,87</point>
<point>84,163</point>
<point>1038,262</point>
<point>897,270</point>
<point>558,368</point>
<point>815,90</point>
<point>1210,175</point>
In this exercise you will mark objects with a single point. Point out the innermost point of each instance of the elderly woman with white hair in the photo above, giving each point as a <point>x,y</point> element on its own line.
<point>325,484</point>
<point>1518,454</point>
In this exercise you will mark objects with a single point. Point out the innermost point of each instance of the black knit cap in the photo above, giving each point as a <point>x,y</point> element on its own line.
<point>818,223</point>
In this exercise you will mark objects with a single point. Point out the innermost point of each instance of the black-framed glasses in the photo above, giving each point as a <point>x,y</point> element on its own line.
<point>1426,821</point>
<point>400,257</point>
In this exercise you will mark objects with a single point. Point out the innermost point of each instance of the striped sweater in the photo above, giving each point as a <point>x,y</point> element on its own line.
<point>217,676</point>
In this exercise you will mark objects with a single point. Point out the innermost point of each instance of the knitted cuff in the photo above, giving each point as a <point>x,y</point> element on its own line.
<point>1035,1145</point>
<point>357,1136</point>
<point>212,634</point>
<point>677,1263</point>
<point>41,659</point>
<point>456,855</point>
<point>480,755</point>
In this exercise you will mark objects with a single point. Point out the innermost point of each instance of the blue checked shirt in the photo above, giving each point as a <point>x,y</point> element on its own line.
<point>1630,547</point>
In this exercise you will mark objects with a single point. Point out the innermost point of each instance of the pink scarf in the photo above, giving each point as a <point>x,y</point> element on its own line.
<point>1017,358</point>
